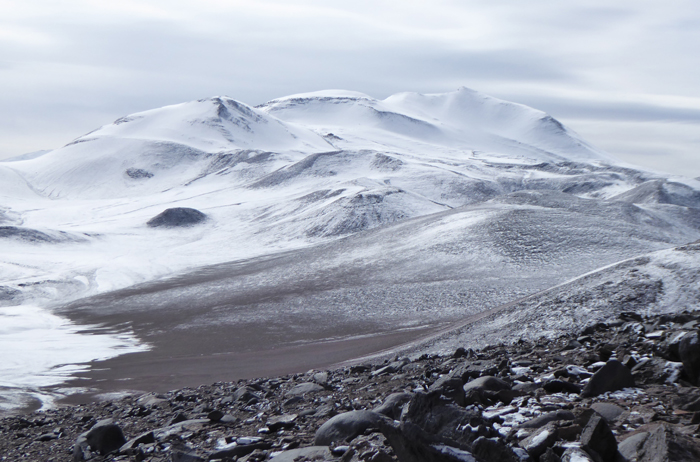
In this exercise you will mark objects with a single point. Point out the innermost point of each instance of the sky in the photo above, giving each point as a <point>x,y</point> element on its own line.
<point>625,75</point>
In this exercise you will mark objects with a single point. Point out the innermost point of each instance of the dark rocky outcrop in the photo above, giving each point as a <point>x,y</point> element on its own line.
<point>176,218</point>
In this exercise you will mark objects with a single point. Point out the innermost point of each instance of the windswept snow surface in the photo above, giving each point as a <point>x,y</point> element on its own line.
<point>661,282</point>
<point>408,211</point>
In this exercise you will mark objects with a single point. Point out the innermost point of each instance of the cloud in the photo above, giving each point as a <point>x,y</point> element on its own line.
<point>83,60</point>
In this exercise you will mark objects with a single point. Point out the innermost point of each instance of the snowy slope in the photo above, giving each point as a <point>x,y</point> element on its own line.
<point>440,192</point>
<point>661,282</point>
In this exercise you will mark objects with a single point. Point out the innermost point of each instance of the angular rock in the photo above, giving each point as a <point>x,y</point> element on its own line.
<point>561,386</point>
<point>239,450</point>
<point>598,440</point>
<point>543,420</point>
<point>411,444</point>
<point>493,449</point>
<point>550,456</point>
<point>391,368</point>
<point>315,453</point>
<point>185,455</point>
<point>446,422</point>
<point>281,422</point>
<point>393,404</point>
<point>537,443</point>
<point>244,394</point>
<point>611,377</point>
<point>450,388</point>
<point>304,388</point>
<point>660,443</point>
<point>609,411</point>
<point>143,438</point>
<point>344,427</point>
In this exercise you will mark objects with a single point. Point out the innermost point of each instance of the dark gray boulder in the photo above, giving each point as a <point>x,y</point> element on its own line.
<point>104,437</point>
<point>611,377</point>
<point>393,405</point>
<point>598,440</point>
<point>493,449</point>
<point>412,444</point>
<point>689,353</point>
<point>660,443</point>
<point>305,388</point>
<point>177,217</point>
<point>344,427</point>
<point>609,411</point>
<point>451,388</point>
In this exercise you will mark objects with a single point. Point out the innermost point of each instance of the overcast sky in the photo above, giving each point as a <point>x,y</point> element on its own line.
<point>626,77</point>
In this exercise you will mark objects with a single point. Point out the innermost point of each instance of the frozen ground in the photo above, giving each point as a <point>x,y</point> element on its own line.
<point>330,216</point>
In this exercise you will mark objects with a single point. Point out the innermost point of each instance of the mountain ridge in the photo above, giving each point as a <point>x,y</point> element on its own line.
<point>407,212</point>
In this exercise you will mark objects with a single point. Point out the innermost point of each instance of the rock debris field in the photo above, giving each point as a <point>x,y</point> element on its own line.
<point>622,390</point>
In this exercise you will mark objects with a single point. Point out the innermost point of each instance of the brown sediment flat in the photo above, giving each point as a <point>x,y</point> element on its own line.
<point>152,371</point>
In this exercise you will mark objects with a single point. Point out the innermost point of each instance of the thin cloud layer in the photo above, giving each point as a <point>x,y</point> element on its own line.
<point>68,67</point>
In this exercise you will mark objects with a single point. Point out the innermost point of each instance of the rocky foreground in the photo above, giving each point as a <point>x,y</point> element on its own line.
<point>623,390</point>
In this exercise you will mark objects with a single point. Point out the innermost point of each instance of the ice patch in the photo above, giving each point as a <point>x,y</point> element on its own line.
<point>40,349</point>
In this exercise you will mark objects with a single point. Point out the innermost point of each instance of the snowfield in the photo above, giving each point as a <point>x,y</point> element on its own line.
<point>328,215</point>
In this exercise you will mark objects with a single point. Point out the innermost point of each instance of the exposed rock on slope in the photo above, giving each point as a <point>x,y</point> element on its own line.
<point>177,218</point>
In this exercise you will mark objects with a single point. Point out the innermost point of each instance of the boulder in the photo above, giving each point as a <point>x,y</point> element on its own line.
<point>305,388</point>
<point>344,427</point>
<point>609,411</point>
<point>561,386</point>
<point>611,377</point>
<point>537,443</point>
<point>450,388</point>
<point>176,218</point>
<point>393,405</point>
<point>493,449</point>
<point>689,353</point>
<point>104,437</point>
<point>660,443</point>
<point>598,440</point>
<point>450,424</point>
<point>411,444</point>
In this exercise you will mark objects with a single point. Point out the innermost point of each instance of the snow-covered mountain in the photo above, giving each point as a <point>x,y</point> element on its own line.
<point>411,211</point>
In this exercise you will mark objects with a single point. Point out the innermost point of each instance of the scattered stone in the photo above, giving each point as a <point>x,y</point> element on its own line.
<point>393,405</point>
<point>305,388</point>
<point>537,443</point>
<point>598,440</point>
<point>609,411</point>
<point>344,427</point>
<point>611,377</point>
<point>661,442</point>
